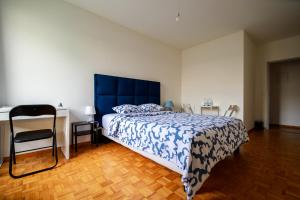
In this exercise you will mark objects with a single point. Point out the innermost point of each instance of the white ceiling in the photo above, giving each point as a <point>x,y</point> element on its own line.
<point>201,20</point>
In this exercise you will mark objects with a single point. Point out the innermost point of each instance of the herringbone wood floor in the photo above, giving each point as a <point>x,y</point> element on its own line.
<point>268,167</point>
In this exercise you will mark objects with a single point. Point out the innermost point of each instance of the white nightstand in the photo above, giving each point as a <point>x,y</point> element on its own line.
<point>211,108</point>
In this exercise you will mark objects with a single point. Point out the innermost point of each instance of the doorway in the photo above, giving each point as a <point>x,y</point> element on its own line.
<point>284,93</point>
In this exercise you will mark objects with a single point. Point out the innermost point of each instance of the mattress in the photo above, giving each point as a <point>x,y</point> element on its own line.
<point>107,118</point>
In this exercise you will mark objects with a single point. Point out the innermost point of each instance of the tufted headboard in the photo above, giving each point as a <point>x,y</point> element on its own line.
<point>110,91</point>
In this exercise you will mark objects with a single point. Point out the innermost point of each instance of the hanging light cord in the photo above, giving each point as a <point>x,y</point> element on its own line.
<point>178,14</point>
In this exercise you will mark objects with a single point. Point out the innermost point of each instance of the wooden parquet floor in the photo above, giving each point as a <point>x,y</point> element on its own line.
<point>268,167</point>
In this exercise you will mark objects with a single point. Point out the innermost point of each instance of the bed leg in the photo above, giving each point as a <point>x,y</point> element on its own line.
<point>237,151</point>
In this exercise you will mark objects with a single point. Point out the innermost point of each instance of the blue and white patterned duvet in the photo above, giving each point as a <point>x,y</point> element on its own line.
<point>194,143</point>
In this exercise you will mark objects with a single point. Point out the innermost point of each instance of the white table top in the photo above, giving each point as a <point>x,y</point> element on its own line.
<point>212,106</point>
<point>7,109</point>
<point>4,114</point>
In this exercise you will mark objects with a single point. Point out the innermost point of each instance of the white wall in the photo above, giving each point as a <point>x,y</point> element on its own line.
<point>274,51</point>
<point>52,49</point>
<point>214,69</point>
<point>2,73</point>
<point>285,93</point>
<point>249,85</point>
<point>2,86</point>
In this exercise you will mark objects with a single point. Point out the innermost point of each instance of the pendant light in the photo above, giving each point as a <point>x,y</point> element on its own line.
<point>178,13</point>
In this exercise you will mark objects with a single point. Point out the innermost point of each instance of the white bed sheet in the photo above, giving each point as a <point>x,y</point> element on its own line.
<point>106,119</point>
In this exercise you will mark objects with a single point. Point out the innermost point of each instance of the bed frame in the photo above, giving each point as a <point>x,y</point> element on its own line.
<point>156,159</point>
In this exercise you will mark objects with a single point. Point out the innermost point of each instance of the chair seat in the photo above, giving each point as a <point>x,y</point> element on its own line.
<point>33,135</point>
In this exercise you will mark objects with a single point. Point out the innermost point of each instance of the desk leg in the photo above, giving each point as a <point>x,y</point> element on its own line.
<point>66,143</point>
<point>2,131</point>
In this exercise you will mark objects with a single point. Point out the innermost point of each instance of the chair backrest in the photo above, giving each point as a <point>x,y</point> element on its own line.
<point>231,109</point>
<point>31,111</point>
<point>187,108</point>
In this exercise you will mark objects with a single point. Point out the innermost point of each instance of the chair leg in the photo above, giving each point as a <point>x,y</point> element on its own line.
<point>53,146</point>
<point>11,159</point>
<point>55,149</point>
<point>14,153</point>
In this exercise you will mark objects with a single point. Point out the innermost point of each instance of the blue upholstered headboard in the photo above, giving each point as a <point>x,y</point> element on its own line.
<point>110,91</point>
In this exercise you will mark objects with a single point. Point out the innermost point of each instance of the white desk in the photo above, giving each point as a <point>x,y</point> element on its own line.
<point>60,113</point>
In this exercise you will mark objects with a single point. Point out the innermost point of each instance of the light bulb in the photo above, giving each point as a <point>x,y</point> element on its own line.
<point>177,17</point>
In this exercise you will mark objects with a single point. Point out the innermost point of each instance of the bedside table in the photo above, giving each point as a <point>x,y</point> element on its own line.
<point>97,132</point>
<point>76,133</point>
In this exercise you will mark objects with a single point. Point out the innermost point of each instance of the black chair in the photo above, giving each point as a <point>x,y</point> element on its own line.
<point>31,111</point>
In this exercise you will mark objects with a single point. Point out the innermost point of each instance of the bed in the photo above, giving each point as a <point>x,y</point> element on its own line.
<point>188,144</point>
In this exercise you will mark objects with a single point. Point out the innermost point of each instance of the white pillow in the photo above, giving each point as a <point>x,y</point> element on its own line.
<point>126,108</point>
<point>150,107</point>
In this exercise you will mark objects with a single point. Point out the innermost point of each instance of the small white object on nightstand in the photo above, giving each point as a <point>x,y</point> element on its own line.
<point>90,112</point>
